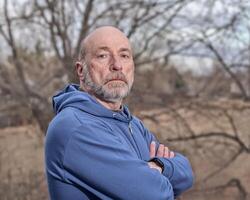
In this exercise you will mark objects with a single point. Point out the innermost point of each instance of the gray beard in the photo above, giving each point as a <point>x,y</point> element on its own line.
<point>115,94</point>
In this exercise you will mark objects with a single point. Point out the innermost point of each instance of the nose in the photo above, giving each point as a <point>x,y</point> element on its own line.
<point>116,64</point>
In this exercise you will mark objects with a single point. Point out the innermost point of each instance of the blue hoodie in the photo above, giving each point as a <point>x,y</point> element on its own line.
<point>92,152</point>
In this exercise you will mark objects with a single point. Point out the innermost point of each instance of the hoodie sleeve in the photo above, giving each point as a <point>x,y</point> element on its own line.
<point>97,161</point>
<point>179,172</point>
<point>177,169</point>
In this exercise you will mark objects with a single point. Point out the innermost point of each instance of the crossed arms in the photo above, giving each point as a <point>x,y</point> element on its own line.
<point>112,171</point>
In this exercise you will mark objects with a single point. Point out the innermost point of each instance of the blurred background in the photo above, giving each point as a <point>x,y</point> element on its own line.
<point>192,83</point>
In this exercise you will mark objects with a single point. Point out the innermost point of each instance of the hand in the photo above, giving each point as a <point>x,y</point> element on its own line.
<point>162,151</point>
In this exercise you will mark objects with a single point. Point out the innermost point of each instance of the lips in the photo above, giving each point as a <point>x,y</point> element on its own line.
<point>116,77</point>
<point>116,80</point>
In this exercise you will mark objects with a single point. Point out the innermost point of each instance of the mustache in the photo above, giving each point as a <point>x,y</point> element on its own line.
<point>116,76</point>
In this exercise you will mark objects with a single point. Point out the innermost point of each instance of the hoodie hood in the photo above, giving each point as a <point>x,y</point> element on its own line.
<point>71,96</point>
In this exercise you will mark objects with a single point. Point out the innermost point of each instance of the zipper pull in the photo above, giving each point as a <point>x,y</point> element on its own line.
<point>130,128</point>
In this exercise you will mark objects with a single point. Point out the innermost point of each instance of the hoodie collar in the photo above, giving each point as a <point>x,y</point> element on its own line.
<point>71,96</point>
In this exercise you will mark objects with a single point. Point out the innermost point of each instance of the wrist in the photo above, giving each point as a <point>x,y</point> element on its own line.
<point>157,164</point>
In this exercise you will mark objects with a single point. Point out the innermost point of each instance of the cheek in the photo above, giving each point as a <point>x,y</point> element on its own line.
<point>97,73</point>
<point>130,72</point>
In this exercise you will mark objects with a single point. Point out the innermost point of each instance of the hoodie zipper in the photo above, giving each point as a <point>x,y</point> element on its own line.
<point>130,128</point>
<point>136,146</point>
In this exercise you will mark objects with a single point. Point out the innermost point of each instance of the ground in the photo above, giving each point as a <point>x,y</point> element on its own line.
<point>22,147</point>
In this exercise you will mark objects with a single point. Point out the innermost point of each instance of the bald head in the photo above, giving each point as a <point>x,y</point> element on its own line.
<point>101,37</point>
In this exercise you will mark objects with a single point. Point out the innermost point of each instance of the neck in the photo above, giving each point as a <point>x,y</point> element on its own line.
<point>115,106</point>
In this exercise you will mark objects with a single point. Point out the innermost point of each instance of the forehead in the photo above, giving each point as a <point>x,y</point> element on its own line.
<point>107,39</point>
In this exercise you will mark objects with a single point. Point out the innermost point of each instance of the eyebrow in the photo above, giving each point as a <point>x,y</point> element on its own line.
<point>125,49</point>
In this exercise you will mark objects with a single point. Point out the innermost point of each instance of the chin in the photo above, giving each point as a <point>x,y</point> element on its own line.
<point>115,94</point>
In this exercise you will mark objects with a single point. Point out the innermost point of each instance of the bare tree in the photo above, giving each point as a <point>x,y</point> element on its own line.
<point>15,79</point>
<point>221,32</point>
<point>65,23</point>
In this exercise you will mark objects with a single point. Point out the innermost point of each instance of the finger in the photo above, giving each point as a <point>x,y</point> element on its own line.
<point>152,149</point>
<point>166,152</point>
<point>160,152</point>
<point>171,154</point>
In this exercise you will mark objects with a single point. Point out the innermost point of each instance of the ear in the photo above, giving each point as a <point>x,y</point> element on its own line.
<point>79,69</point>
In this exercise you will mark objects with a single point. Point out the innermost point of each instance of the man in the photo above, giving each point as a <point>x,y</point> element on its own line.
<point>95,149</point>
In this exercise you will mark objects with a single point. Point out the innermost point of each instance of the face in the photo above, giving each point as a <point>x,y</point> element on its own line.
<point>108,66</point>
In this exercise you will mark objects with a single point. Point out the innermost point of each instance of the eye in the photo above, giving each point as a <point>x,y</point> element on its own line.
<point>101,56</point>
<point>125,56</point>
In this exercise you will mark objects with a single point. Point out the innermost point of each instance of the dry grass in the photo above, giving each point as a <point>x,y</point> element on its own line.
<point>22,166</point>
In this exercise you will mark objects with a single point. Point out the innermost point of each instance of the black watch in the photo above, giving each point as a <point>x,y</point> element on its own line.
<point>158,162</point>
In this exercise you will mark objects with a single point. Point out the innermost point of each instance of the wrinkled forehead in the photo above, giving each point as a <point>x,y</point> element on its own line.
<point>106,37</point>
